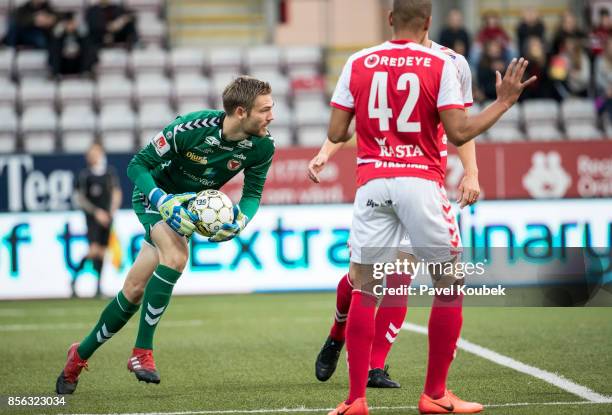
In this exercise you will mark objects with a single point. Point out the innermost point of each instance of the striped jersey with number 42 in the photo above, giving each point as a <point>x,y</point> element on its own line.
<point>190,155</point>
<point>396,90</point>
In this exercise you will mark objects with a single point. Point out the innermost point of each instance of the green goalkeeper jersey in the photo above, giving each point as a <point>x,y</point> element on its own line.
<point>191,155</point>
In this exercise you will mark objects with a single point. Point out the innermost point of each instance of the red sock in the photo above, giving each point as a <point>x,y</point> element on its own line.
<point>389,319</point>
<point>359,337</point>
<point>445,323</point>
<point>343,302</point>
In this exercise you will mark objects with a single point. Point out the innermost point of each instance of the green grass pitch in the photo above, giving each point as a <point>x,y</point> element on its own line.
<point>235,354</point>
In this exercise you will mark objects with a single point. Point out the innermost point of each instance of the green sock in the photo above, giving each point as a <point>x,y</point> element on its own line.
<point>156,298</point>
<point>112,319</point>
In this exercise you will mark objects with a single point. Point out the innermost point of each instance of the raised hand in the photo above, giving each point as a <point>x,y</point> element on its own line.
<point>510,87</point>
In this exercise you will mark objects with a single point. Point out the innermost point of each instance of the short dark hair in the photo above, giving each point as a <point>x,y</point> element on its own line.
<point>242,92</point>
<point>411,14</point>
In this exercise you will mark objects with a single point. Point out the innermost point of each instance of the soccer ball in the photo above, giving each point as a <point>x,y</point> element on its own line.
<point>213,209</point>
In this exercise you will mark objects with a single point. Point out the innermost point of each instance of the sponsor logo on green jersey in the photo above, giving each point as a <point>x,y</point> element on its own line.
<point>234,164</point>
<point>212,141</point>
<point>196,157</point>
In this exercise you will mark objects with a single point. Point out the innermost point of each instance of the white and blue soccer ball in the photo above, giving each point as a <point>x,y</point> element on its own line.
<point>213,209</point>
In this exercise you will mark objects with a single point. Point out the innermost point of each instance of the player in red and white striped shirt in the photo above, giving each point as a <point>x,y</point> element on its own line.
<point>398,93</point>
<point>392,309</point>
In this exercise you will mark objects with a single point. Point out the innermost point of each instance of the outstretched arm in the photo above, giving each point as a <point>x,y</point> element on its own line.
<point>337,134</point>
<point>460,128</point>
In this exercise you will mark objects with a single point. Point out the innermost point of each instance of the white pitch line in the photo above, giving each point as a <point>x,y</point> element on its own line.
<point>78,326</point>
<point>549,377</point>
<point>304,409</point>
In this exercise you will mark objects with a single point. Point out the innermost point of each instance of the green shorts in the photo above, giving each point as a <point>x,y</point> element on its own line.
<point>146,215</point>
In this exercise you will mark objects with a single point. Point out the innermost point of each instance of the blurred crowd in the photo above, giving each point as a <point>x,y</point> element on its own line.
<point>574,61</point>
<point>72,41</point>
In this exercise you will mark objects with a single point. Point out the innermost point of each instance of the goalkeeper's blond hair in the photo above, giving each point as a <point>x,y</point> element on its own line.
<point>242,92</point>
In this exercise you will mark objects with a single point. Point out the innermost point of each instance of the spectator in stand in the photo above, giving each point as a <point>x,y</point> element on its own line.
<point>568,28</point>
<point>603,80</point>
<point>601,33</point>
<point>454,35</point>
<point>535,53</point>
<point>111,24</point>
<point>70,50</point>
<point>570,70</point>
<point>530,26</point>
<point>492,31</point>
<point>491,60</point>
<point>30,25</point>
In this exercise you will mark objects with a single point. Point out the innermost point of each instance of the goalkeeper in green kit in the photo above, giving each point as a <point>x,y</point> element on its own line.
<point>197,151</point>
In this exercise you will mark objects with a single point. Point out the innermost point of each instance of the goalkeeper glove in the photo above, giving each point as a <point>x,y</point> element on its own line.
<point>172,211</point>
<point>230,230</point>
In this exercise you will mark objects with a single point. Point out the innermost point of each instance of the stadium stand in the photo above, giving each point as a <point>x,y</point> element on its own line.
<point>279,82</point>
<point>117,123</point>
<point>582,131</point>
<point>226,60</point>
<point>77,142</point>
<point>118,141</point>
<point>262,58</point>
<point>151,119</point>
<point>76,91</point>
<point>283,137</point>
<point>152,31</point>
<point>78,126</point>
<point>578,110</point>
<point>303,60</point>
<point>505,133</point>
<point>31,63</point>
<point>311,136</point>
<point>152,87</point>
<point>77,118</point>
<point>608,128</point>
<point>112,61</point>
<point>39,126</point>
<point>283,116</point>
<point>132,87</point>
<point>191,87</point>
<point>540,111</point>
<point>8,92</point>
<point>114,88</point>
<point>543,132</point>
<point>151,59</point>
<point>187,60</point>
<point>6,62</point>
<point>186,106</point>
<point>8,128</point>
<point>219,81</point>
<point>37,91</point>
<point>311,112</point>
<point>154,116</point>
<point>511,119</point>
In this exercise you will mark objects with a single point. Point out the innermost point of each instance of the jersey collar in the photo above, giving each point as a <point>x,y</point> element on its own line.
<point>401,41</point>
<point>229,142</point>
